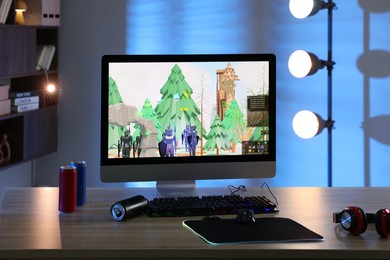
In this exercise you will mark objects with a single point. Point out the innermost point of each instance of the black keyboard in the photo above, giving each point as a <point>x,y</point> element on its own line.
<point>208,205</point>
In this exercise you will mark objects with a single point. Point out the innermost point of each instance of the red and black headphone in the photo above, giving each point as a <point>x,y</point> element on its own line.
<point>354,220</point>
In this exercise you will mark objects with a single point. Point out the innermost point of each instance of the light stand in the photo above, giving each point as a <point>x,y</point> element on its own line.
<point>309,8</point>
<point>330,63</point>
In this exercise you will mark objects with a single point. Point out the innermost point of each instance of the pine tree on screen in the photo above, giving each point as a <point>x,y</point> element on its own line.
<point>234,124</point>
<point>114,131</point>
<point>217,137</point>
<point>176,107</point>
<point>147,112</point>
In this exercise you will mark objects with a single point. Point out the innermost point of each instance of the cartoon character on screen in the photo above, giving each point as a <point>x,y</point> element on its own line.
<point>167,145</point>
<point>184,136</point>
<point>119,148</point>
<point>137,146</point>
<point>193,140</point>
<point>126,141</point>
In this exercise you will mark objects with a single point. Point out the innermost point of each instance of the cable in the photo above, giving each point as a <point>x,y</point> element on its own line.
<point>233,190</point>
<point>269,190</point>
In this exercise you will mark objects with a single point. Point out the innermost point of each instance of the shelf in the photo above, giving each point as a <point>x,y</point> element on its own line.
<point>18,49</point>
<point>11,140</point>
<point>29,26</point>
<point>41,137</point>
<point>30,134</point>
<point>33,133</point>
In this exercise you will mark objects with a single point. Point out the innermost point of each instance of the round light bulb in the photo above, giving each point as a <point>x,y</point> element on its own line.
<point>300,64</point>
<point>306,124</point>
<point>50,88</point>
<point>301,8</point>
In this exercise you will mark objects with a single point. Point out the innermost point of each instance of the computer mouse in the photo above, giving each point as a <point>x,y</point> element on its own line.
<point>245,216</point>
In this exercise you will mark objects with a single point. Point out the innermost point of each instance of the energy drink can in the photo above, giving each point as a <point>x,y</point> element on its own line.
<point>81,167</point>
<point>67,189</point>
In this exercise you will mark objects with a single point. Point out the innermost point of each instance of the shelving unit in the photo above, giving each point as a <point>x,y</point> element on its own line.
<point>33,133</point>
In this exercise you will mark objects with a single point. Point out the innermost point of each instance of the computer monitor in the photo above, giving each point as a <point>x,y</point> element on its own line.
<point>175,119</point>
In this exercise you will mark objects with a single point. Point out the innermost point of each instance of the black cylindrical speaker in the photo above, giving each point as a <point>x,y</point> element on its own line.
<point>128,207</point>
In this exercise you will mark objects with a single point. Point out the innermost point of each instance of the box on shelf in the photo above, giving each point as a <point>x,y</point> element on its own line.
<point>4,89</point>
<point>43,12</point>
<point>5,103</point>
<point>5,106</point>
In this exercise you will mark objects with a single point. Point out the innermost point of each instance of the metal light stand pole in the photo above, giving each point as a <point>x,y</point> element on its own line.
<point>329,64</point>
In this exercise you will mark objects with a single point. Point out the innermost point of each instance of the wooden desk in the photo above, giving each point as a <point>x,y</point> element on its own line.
<point>30,227</point>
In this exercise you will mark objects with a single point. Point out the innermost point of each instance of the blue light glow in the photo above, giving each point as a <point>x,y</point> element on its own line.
<point>181,26</point>
<point>245,26</point>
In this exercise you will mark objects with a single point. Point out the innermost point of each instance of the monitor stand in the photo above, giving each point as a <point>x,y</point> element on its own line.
<point>176,189</point>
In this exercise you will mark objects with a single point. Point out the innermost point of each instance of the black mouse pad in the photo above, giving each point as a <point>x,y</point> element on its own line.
<point>264,230</point>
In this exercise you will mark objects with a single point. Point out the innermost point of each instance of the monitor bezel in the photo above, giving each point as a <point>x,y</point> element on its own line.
<point>146,169</point>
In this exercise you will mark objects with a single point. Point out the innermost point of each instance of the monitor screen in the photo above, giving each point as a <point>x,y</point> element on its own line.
<point>178,118</point>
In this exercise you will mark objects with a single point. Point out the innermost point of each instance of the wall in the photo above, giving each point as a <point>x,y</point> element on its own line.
<point>361,76</point>
<point>19,176</point>
<point>88,30</point>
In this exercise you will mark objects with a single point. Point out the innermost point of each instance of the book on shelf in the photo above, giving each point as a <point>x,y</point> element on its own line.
<point>4,89</point>
<point>24,100</point>
<point>5,106</point>
<point>21,94</point>
<point>45,54</point>
<point>4,10</point>
<point>24,108</point>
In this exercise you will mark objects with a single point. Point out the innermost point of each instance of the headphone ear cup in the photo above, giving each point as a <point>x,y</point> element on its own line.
<point>382,222</point>
<point>358,220</point>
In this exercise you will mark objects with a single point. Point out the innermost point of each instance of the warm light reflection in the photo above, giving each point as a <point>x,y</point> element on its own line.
<point>306,124</point>
<point>19,17</point>
<point>43,226</point>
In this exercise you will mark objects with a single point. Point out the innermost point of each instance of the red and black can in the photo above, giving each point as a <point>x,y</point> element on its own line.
<point>67,189</point>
